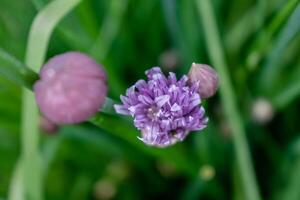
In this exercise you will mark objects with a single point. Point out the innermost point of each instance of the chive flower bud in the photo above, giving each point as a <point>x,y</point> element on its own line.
<point>206,78</point>
<point>72,88</point>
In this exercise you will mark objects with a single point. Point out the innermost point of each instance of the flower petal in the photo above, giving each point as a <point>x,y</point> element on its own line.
<point>162,100</point>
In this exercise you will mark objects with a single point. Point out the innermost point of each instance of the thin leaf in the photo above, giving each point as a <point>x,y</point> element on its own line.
<point>272,69</point>
<point>217,57</point>
<point>14,70</point>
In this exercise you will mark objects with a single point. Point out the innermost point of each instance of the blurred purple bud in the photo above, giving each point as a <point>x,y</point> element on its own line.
<point>206,78</point>
<point>72,88</point>
<point>169,59</point>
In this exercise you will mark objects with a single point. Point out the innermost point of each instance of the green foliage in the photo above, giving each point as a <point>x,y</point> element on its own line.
<point>254,45</point>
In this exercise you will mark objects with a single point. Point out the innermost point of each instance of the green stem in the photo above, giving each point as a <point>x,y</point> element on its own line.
<point>39,36</point>
<point>106,36</point>
<point>16,190</point>
<point>14,70</point>
<point>264,40</point>
<point>228,98</point>
<point>128,133</point>
<point>271,70</point>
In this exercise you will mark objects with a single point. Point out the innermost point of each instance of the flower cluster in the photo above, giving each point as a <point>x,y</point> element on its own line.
<point>164,109</point>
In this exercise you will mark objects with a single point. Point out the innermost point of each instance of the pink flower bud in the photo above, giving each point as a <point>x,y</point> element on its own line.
<point>72,88</point>
<point>206,78</point>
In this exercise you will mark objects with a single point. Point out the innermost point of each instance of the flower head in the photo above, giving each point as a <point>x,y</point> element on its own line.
<point>72,88</point>
<point>164,109</point>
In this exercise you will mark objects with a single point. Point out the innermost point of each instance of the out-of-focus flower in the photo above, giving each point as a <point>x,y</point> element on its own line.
<point>72,88</point>
<point>166,169</point>
<point>104,189</point>
<point>207,172</point>
<point>206,77</point>
<point>169,59</point>
<point>164,109</point>
<point>262,111</point>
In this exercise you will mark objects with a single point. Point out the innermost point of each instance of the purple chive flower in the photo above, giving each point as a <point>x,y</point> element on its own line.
<point>72,88</point>
<point>164,109</point>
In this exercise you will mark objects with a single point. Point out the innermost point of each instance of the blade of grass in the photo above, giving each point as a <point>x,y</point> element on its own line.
<point>74,40</point>
<point>244,28</point>
<point>109,29</point>
<point>286,95</point>
<point>39,36</point>
<point>105,38</point>
<point>217,57</point>
<point>175,31</point>
<point>42,29</point>
<point>292,191</point>
<point>128,133</point>
<point>272,69</point>
<point>264,39</point>
<point>14,70</point>
<point>16,190</point>
<point>88,18</point>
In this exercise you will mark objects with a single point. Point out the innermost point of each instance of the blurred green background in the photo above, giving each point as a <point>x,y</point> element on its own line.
<point>253,44</point>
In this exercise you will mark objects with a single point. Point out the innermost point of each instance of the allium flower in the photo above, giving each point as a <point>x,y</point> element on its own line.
<point>206,77</point>
<point>72,88</point>
<point>164,109</point>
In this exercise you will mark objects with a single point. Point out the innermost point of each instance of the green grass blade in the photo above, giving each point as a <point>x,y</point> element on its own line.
<point>264,39</point>
<point>42,29</point>
<point>287,95</point>
<point>106,36</point>
<point>16,190</point>
<point>14,70</point>
<point>217,57</point>
<point>127,132</point>
<point>271,69</point>
<point>292,191</point>
<point>238,34</point>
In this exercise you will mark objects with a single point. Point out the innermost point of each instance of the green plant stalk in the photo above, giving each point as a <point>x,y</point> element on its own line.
<point>217,56</point>
<point>271,70</point>
<point>244,27</point>
<point>31,160</point>
<point>16,189</point>
<point>39,36</point>
<point>291,192</point>
<point>263,41</point>
<point>288,94</point>
<point>109,29</point>
<point>14,70</point>
<point>127,132</point>
<point>105,38</point>
<point>175,31</point>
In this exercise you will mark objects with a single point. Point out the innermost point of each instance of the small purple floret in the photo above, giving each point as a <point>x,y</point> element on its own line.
<point>164,109</point>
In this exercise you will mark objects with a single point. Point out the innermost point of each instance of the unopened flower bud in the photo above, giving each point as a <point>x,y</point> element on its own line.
<point>206,78</point>
<point>72,88</point>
